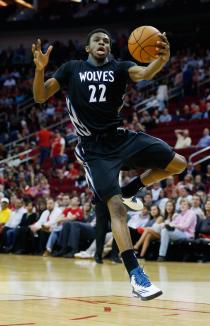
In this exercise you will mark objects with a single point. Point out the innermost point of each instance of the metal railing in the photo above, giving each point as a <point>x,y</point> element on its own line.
<point>16,160</point>
<point>172,93</point>
<point>31,136</point>
<point>203,150</point>
<point>21,107</point>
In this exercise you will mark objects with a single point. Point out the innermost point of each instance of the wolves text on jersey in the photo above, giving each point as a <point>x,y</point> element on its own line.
<point>97,76</point>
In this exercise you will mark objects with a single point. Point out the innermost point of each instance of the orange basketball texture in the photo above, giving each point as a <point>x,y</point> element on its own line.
<point>142,43</point>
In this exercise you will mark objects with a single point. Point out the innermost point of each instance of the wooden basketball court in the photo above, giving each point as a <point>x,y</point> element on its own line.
<point>60,292</point>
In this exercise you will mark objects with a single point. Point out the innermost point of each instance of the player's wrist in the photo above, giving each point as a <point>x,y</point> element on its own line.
<point>37,69</point>
<point>164,59</point>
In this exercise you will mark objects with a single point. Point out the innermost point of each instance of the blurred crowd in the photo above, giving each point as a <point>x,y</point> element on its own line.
<point>66,224</point>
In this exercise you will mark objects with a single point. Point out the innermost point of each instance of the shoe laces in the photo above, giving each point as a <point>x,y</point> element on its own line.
<point>140,277</point>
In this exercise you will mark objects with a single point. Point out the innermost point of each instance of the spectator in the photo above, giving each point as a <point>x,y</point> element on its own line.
<point>72,234</point>
<point>182,227</point>
<point>183,139</point>
<point>50,112</point>
<point>8,234</point>
<point>43,187</point>
<point>74,211</point>
<point>136,125</point>
<point>40,206</point>
<point>44,138</point>
<point>162,96</point>
<point>9,82</point>
<point>204,227</point>
<point>73,171</point>
<point>57,150</point>
<point>169,211</point>
<point>56,230</point>
<point>147,199</point>
<point>88,212</point>
<point>170,189</point>
<point>187,182</point>
<point>183,193</point>
<point>138,219</point>
<point>155,191</point>
<point>5,213</point>
<point>196,206</point>
<point>45,224</point>
<point>161,202</point>
<point>196,112</point>
<point>22,242</point>
<point>79,233</point>
<point>206,114</point>
<point>198,184</point>
<point>186,115</point>
<point>146,120</point>
<point>205,140</point>
<point>165,116</point>
<point>150,233</point>
<point>59,202</point>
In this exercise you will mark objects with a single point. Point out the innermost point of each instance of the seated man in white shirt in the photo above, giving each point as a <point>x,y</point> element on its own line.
<point>8,235</point>
<point>46,223</point>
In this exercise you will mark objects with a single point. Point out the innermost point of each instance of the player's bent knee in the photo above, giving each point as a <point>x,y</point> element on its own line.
<point>182,164</point>
<point>177,165</point>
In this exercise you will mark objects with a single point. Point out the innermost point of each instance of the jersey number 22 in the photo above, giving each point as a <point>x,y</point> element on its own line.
<point>97,93</point>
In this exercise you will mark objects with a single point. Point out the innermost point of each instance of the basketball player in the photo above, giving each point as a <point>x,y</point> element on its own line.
<point>95,90</point>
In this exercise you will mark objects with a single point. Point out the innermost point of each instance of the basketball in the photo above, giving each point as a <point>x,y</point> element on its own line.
<point>142,43</point>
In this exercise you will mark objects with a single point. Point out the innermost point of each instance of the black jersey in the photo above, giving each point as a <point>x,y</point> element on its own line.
<point>95,93</point>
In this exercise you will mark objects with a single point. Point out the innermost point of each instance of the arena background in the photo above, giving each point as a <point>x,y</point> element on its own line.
<point>174,106</point>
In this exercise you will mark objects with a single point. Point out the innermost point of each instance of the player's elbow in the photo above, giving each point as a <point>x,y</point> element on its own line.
<point>39,100</point>
<point>148,75</point>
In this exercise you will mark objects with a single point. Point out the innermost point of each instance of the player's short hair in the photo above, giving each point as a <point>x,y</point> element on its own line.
<point>98,30</point>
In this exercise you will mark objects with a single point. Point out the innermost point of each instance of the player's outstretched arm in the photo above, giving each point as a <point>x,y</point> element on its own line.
<point>42,90</point>
<point>137,73</point>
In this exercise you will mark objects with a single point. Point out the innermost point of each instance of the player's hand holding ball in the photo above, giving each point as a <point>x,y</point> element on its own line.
<point>40,59</point>
<point>147,44</point>
<point>163,48</point>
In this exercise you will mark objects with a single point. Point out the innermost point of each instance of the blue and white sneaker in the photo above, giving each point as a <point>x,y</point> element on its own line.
<point>134,203</point>
<point>142,287</point>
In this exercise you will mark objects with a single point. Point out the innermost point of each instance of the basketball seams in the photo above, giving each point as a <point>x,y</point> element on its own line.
<point>133,35</point>
<point>135,49</point>
<point>139,45</point>
<point>137,41</point>
<point>139,52</point>
<point>140,56</point>
<point>149,54</point>
<point>153,34</point>
<point>149,46</point>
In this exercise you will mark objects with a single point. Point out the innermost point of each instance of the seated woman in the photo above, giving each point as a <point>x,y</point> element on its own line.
<point>153,232</point>
<point>204,225</point>
<point>182,227</point>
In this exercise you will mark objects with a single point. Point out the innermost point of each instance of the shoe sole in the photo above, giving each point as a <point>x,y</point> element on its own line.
<point>137,207</point>
<point>153,296</point>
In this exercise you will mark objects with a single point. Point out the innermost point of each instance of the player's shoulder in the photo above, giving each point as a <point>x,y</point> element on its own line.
<point>123,65</point>
<point>72,63</point>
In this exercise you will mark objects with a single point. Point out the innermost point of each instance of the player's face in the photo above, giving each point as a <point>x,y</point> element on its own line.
<point>99,46</point>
